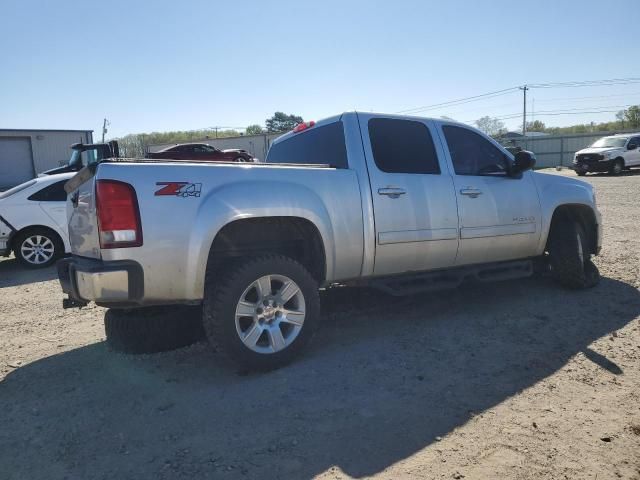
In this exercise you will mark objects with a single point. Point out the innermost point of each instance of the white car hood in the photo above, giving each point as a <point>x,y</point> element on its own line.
<point>598,150</point>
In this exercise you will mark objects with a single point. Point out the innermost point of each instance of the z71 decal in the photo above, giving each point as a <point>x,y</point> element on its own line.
<point>179,189</point>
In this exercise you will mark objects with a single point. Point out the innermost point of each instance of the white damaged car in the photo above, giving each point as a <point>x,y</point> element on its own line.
<point>609,154</point>
<point>33,221</point>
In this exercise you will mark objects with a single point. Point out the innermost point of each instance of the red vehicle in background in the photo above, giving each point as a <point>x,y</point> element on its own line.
<point>201,151</point>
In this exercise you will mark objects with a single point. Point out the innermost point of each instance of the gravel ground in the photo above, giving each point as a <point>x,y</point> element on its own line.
<point>516,380</point>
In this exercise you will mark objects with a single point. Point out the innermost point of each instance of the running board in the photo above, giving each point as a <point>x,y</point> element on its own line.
<point>444,279</point>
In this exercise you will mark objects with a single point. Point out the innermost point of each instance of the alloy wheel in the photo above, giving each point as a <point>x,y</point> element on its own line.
<point>270,314</point>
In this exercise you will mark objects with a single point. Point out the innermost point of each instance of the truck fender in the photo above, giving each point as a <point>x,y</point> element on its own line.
<point>554,192</point>
<point>253,199</point>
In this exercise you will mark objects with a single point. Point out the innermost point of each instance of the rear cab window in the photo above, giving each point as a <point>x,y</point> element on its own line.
<point>318,145</point>
<point>403,146</point>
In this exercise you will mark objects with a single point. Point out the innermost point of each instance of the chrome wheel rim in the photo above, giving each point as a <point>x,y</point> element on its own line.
<point>617,168</point>
<point>270,314</point>
<point>37,249</point>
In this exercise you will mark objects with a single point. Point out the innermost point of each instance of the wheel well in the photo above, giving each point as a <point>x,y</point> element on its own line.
<point>584,216</point>
<point>621,159</point>
<point>294,237</point>
<point>31,228</point>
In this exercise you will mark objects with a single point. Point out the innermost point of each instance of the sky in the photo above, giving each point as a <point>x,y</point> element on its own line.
<point>169,65</point>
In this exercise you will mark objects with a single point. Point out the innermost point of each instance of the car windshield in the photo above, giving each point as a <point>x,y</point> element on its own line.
<point>609,142</point>
<point>76,158</point>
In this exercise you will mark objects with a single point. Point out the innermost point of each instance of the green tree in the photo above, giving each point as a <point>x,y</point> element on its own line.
<point>632,116</point>
<point>490,126</point>
<point>536,126</point>
<point>281,122</point>
<point>254,130</point>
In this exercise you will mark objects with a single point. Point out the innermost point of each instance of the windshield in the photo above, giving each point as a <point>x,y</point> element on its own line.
<point>610,142</point>
<point>90,157</point>
<point>76,159</point>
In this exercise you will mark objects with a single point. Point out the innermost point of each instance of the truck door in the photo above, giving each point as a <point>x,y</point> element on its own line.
<point>632,157</point>
<point>416,220</point>
<point>500,216</point>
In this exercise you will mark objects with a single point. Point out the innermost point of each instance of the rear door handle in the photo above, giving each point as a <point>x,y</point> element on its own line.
<point>471,192</point>
<point>391,192</point>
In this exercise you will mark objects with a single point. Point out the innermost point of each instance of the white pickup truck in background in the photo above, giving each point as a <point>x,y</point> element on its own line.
<point>404,204</point>
<point>609,154</point>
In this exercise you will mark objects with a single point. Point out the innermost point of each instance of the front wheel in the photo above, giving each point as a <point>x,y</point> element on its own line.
<point>617,167</point>
<point>261,312</point>
<point>581,173</point>
<point>569,257</point>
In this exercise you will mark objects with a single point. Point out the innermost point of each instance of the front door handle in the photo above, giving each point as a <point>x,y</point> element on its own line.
<point>391,192</point>
<point>471,192</point>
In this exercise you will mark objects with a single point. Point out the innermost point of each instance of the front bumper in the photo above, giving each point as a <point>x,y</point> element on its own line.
<point>115,283</point>
<point>593,165</point>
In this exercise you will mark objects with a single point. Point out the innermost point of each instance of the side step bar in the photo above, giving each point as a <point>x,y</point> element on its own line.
<point>452,278</point>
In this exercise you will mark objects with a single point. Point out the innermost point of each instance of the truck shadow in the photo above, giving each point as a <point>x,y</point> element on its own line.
<point>384,378</point>
<point>13,274</point>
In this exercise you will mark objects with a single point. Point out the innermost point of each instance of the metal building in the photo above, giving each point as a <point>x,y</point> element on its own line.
<point>26,153</point>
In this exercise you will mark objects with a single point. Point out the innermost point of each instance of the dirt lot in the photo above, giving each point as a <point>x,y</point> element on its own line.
<point>517,380</point>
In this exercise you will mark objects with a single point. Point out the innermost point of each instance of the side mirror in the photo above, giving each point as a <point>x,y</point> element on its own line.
<point>524,161</point>
<point>632,146</point>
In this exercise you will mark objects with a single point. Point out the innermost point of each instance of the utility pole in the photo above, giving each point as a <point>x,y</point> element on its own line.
<point>104,128</point>
<point>524,110</point>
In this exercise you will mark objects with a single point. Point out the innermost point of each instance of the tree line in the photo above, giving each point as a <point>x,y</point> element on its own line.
<point>136,144</point>
<point>625,119</point>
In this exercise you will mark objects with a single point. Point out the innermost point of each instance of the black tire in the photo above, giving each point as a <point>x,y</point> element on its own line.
<point>224,289</point>
<point>617,167</point>
<point>581,173</point>
<point>240,159</point>
<point>568,267</point>
<point>153,329</point>
<point>26,235</point>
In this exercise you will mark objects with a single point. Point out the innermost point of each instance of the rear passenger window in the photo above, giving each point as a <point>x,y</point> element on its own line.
<point>471,154</point>
<point>402,146</point>
<point>317,145</point>
<point>53,193</point>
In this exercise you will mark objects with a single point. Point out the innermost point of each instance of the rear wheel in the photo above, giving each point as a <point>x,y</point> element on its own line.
<point>261,312</point>
<point>38,247</point>
<point>569,256</point>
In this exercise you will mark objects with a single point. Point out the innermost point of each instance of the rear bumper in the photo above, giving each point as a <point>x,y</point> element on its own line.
<point>116,283</point>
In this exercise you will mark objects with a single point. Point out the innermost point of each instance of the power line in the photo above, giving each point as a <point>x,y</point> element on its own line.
<point>588,83</point>
<point>505,91</point>
<point>460,101</point>
<point>566,111</point>
<point>545,100</point>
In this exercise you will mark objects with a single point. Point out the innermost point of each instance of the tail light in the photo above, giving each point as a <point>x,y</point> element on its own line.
<point>118,215</point>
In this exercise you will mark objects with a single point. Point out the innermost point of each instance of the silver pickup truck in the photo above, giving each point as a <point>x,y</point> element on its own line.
<point>403,204</point>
